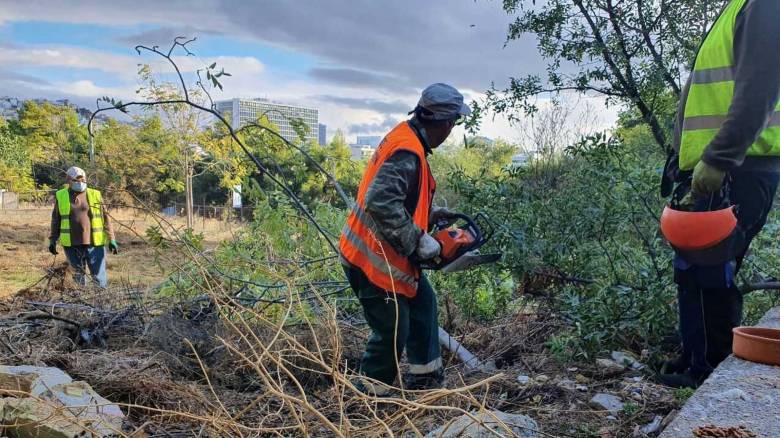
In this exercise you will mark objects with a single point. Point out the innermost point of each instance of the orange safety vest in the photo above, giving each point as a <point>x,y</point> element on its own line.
<point>362,246</point>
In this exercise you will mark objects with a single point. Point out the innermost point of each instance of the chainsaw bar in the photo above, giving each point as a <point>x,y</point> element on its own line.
<point>469,260</point>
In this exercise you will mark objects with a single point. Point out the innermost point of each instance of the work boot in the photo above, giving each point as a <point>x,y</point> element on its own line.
<point>677,365</point>
<point>681,380</point>
<point>372,389</point>
<point>417,382</point>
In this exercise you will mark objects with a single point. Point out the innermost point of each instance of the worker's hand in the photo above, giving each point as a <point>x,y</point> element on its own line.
<point>443,216</point>
<point>707,180</point>
<point>53,247</point>
<point>427,247</point>
<point>687,203</point>
<point>113,246</point>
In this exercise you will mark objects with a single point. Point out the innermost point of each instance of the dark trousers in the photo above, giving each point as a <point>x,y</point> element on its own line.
<point>710,303</point>
<point>410,323</point>
<point>83,256</point>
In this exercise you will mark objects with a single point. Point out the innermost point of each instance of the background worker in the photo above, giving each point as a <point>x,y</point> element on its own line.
<point>79,221</point>
<point>385,239</point>
<point>728,132</point>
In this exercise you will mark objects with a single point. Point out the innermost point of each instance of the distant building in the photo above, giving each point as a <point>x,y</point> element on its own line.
<point>369,140</point>
<point>241,112</point>
<point>322,135</point>
<point>11,106</point>
<point>365,146</point>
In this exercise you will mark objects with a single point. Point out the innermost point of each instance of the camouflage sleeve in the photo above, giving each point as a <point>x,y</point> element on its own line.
<point>389,199</point>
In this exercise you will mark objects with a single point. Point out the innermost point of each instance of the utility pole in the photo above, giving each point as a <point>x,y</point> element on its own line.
<point>188,188</point>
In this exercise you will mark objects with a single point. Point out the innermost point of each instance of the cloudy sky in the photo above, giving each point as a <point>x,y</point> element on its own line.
<point>362,63</point>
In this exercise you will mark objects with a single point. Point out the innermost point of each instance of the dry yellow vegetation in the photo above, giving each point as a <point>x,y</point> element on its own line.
<point>24,257</point>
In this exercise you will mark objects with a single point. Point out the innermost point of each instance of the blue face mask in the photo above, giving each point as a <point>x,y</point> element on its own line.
<point>78,186</point>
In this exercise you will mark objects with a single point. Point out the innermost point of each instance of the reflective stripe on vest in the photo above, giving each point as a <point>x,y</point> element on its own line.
<point>362,245</point>
<point>712,91</point>
<point>94,200</point>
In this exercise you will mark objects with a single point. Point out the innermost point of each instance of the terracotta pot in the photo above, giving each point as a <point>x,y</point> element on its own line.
<point>757,344</point>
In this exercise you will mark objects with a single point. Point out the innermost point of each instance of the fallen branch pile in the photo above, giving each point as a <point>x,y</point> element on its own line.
<point>215,364</point>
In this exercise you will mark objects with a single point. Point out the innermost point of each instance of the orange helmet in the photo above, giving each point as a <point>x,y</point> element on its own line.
<point>703,238</point>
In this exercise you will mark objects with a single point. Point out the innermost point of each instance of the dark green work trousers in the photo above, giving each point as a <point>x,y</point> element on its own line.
<point>417,326</point>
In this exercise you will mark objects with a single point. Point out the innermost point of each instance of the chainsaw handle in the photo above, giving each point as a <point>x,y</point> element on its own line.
<point>470,224</point>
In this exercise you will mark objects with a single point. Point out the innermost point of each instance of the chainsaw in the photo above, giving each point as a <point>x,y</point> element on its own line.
<point>460,244</point>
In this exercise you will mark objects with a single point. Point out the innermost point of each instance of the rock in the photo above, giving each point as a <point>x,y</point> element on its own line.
<point>523,379</point>
<point>30,417</point>
<point>611,417</point>
<point>81,399</point>
<point>31,380</point>
<point>581,388</point>
<point>567,384</point>
<point>607,402</point>
<point>51,405</point>
<point>579,378</point>
<point>609,366</point>
<point>463,426</point>
<point>541,378</point>
<point>653,427</point>
<point>627,359</point>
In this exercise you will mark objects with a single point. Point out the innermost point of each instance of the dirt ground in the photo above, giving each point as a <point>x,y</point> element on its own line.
<point>24,256</point>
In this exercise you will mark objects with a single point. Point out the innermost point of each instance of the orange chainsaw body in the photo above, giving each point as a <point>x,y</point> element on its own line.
<point>453,241</point>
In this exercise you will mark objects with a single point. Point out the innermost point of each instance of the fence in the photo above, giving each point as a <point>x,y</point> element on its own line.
<point>210,211</point>
<point>38,199</point>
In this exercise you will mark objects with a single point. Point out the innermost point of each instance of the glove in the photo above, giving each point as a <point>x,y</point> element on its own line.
<point>707,180</point>
<point>427,247</point>
<point>113,246</point>
<point>53,247</point>
<point>443,215</point>
<point>688,202</point>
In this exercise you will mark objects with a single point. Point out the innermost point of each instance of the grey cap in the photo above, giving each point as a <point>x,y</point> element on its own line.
<point>444,101</point>
<point>75,172</point>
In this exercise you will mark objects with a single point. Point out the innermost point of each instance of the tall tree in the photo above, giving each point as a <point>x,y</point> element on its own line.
<point>54,140</point>
<point>184,120</point>
<point>15,161</point>
<point>633,52</point>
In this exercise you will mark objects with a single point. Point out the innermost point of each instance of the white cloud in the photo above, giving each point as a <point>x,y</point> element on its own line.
<point>67,56</point>
<point>87,88</point>
<point>378,51</point>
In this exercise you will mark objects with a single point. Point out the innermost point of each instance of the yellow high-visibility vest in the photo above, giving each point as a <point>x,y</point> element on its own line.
<point>712,91</point>
<point>95,201</point>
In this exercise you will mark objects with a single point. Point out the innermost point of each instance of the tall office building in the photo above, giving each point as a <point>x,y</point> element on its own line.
<point>323,134</point>
<point>369,140</point>
<point>365,146</point>
<point>243,111</point>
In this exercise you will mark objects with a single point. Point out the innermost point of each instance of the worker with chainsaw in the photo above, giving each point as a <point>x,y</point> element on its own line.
<point>80,223</point>
<point>386,240</point>
<point>726,166</point>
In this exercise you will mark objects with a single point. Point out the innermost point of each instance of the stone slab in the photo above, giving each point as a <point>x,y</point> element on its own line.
<point>464,426</point>
<point>30,379</point>
<point>737,393</point>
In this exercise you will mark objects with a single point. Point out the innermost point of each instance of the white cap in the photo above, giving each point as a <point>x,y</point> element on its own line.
<point>75,172</point>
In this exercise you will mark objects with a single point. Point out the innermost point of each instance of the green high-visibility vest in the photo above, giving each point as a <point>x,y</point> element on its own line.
<point>712,91</point>
<point>95,201</point>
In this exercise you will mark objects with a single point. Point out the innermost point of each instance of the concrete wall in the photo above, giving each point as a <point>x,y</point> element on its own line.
<point>738,393</point>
